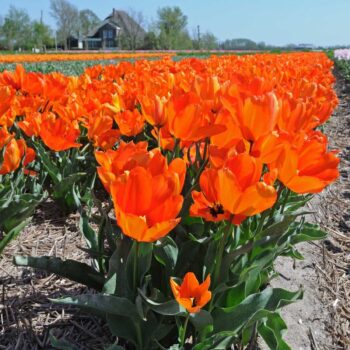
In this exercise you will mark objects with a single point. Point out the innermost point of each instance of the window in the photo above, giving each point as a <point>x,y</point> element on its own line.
<point>108,34</point>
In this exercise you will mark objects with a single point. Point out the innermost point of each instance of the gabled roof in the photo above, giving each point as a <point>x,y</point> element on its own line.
<point>100,25</point>
<point>126,23</point>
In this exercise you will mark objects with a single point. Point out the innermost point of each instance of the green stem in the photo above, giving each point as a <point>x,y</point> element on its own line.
<point>261,222</point>
<point>101,239</point>
<point>135,272</point>
<point>219,255</point>
<point>183,335</point>
<point>285,200</point>
<point>273,209</point>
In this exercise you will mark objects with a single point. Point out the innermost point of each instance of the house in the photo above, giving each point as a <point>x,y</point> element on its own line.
<point>111,31</point>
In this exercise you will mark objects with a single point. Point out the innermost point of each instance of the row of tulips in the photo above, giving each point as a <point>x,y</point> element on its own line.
<point>49,57</point>
<point>207,164</point>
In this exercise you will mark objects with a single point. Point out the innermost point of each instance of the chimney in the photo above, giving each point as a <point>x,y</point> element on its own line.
<point>114,12</point>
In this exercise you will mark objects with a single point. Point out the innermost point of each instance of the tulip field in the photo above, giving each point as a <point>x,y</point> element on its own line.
<point>184,182</point>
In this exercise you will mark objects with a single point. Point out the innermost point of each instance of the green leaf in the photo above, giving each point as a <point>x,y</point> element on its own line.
<point>104,303</point>
<point>115,347</point>
<point>272,331</point>
<point>49,165</point>
<point>71,269</point>
<point>192,220</point>
<point>168,308</point>
<point>124,327</point>
<point>60,189</point>
<point>166,253</point>
<point>88,232</point>
<point>278,228</point>
<point>235,318</point>
<point>19,209</point>
<point>141,253</point>
<point>13,234</point>
<point>61,343</point>
<point>202,322</point>
<point>218,341</point>
<point>309,232</point>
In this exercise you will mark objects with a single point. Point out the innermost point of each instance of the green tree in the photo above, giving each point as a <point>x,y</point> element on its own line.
<point>67,19</point>
<point>209,41</point>
<point>42,35</point>
<point>16,29</point>
<point>88,20</point>
<point>172,25</point>
<point>151,41</point>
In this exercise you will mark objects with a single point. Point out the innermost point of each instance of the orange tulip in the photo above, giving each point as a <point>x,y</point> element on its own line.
<point>115,162</point>
<point>15,150</point>
<point>59,135</point>
<point>235,189</point>
<point>256,115</point>
<point>190,294</point>
<point>186,120</point>
<point>305,166</point>
<point>207,202</point>
<point>130,123</point>
<point>101,133</point>
<point>154,110</point>
<point>6,98</point>
<point>147,198</point>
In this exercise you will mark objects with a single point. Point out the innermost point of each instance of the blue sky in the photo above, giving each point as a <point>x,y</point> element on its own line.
<point>320,22</point>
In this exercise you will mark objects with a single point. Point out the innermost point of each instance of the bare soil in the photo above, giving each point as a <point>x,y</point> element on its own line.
<point>319,322</point>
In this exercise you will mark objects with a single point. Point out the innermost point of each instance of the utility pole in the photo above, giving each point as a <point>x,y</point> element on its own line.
<point>199,37</point>
<point>41,17</point>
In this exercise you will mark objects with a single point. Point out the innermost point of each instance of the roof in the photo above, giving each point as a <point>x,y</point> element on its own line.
<point>106,21</point>
<point>127,23</point>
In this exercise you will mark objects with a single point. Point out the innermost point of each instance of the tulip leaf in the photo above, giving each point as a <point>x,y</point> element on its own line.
<point>166,253</point>
<point>202,322</point>
<point>61,188</point>
<point>74,270</point>
<point>278,228</point>
<point>218,341</point>
<point>309,232</point>
<point>141,253</point>
<point>12,234</point>
<point>61,344</point>
<point>50,167</point>
<point>103,303</point>
<point>168,308</point>
<point>235,318</point>
<point>88,232</point>
<point>272,331</point>
<point>19,209</point>
<point>115,347</point>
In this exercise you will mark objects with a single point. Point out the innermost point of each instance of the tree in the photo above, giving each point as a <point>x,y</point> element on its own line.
<point>150,41</point>
<point>172,27</point>
<point>239,44</point>
<point>88,20</point>
<point>16,28</point>
<point>67,19</point>
<point>209,41</point>
<point>42,35</point>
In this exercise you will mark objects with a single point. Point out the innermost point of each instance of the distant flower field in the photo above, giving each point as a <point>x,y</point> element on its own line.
<point>73,56</point>
<point>342,54</point>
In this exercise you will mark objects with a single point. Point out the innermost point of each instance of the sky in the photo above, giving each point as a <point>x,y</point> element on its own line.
<point>276,22</point>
